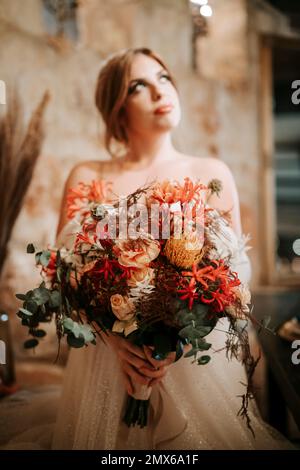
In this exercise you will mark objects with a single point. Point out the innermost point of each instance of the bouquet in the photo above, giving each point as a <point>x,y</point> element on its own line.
<point>155,267</point>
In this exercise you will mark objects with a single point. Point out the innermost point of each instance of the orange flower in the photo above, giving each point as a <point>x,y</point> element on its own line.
<point>79,197</point>
<point>188,292</point>
<point>136,253</point>
<point>168,192</point>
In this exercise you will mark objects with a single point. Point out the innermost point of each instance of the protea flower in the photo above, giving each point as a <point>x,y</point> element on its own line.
<point>185,251</point>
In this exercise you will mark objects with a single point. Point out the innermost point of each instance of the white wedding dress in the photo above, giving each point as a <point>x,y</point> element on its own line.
<point>194,407</point>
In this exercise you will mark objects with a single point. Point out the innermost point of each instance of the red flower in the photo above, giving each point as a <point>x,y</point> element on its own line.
<point>189,292</point>
<point>216,283</point>
<point>201,274</point>
<point>107,268</point>
<point>84,238</point>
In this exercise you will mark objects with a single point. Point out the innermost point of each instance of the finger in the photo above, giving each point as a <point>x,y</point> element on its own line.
<point>128,383</point>
<point>187,348</point>
<point>156,363</point>
<point>134,360</point>
<point>134,349</point>
<point>155,382</point>
<point>154,373</point>
<point>134,375</point>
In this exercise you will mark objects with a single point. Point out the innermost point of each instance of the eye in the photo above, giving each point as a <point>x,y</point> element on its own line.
<point>165,77</point>
<point>139,84</point>
<point>136,86</point>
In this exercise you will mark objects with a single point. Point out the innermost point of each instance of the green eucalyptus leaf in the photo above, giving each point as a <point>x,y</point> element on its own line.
<point>31,343</point>
<point>203,330</point>
<point>203,345</point>
<point>26,312</point>
<point>37,257</point>
<point>68,324</point>
<point>38,333</point>
<point>75,342</point>
<point>203,360</point>
<point>41,295</point>
<point>87,333</point>
<point>191,332</point>
<point>55,299</point>
<point>21,296</point>
<point>78,330</point>
<point>31,305</point>
<point>200,310</point>
<point>185,317</point>
<point>192,352</point>
<point>45,257</point>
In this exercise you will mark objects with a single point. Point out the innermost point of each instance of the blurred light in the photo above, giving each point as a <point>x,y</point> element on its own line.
<point>4,317</point>
<point>199,2</point>
<point>296,246</point>
<point>205,10</point>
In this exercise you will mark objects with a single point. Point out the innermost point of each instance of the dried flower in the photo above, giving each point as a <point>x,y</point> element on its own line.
<point>183,252</point>
<point>215,186</point>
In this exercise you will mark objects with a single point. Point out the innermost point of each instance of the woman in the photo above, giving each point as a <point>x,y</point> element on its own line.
<point>191,408</point>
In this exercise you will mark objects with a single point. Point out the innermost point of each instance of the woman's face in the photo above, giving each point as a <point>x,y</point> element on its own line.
<point>152,103</point>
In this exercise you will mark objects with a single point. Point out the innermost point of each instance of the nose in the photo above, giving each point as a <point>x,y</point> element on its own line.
<point>156,93</point>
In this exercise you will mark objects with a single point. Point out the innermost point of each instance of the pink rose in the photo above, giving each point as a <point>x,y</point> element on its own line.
<point>140,275</point>
<point>136,253</point>
<point>122,307</point>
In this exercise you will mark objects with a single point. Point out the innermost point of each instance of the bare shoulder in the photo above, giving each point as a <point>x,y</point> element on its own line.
<point>208,168</point>
<point>205,169</point>
<point>89,170</point>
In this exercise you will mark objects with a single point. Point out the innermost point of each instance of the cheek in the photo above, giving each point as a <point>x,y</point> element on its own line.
<point>177,108</point>
<point>136,112</point>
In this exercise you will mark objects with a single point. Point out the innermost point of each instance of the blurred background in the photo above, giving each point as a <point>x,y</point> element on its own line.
<point>237,64</point>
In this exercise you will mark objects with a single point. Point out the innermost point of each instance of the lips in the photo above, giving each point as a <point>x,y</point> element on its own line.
<point>166,108</point>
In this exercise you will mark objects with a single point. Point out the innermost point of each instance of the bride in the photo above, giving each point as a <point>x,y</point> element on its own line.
<point>191,407</point>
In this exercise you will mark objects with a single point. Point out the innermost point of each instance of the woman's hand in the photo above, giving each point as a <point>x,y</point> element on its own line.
<point>137,364</point>
<point>161,366</point>
<point>133,362</point>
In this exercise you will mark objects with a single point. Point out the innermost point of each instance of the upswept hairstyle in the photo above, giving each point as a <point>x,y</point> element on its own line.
<point>112,90</point>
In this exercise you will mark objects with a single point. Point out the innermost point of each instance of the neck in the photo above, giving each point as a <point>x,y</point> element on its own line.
<point>152,149</point>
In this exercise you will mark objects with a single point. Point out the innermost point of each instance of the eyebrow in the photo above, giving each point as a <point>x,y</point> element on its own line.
<point>141,78</point>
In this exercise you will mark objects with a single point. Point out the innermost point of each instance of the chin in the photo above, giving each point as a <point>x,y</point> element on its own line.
<point>168,122</point>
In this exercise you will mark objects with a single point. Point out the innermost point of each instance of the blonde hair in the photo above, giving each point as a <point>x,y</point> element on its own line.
<point>112,90</point>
